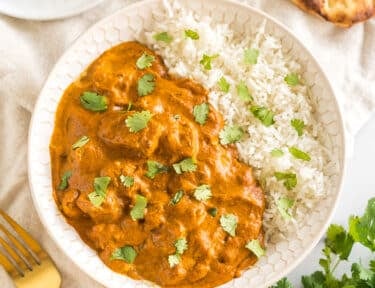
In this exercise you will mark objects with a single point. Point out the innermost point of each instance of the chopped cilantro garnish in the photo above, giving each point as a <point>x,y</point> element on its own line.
<point>80,142</point>
<point>146,84</point>
<point>145,61</point>
<point>138,211</point>
<point>93,101</point>
<point>284,283</point>
<point>292,79</point>
<point>289,179</point>
<point>255,247</point>
<point>192,34</point>
<point>231,134</point>
<point>138,121</point>
<point>181,245</point>
<point>229,223</point>
<point>298,125</point>
<point>186,165</point>
<point>203,192</point>
<point>154,168</point>
<point>200,113</point>
<point>177,197</point>
<point>299,154</point>
<point>283,205</point>
<point>64,180</point>
<point>243,92</point>
<point>100,190</point>
<point>263,114</point>
<point>277,152</point>
<point>213,211</point>
<point>174,260</point>
<point>223,85</point>
<point>127,181</point>
<point>164,37</point>
<point>206,61</point>
<point>126,253</point>
<point>250,56</point>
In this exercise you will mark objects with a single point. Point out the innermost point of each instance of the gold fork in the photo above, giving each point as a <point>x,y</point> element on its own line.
<point>26,263</point>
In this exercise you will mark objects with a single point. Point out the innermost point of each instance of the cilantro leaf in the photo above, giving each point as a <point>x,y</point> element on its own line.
<point>289,179</point>
<point>154,168</point>
<point>362,229</point>
<point>127,181</point>
<point>243,92</point>
<point>361,273</point>
<point>192,34</point>
<point>231,134</point>
<point>277,152</point>
<point>145,61</point>
<point>213,211</point>
<point>138,211</point>
<point>164,37</point>
<point>93,101</point>
<point>200,113</point>
<point>177,197</point>
<point>174,260</point>
<point>64,180</point>
<point>129,106</point>
<point>298,125</point>
<point>263,114</point>
<point>282,283</point>
<point>138,121</point>
<point>299,154</point>
<point>80,142</point>
<point>229,223</point>
<point>126,253</point>
<point>223,85</point>
<point>255,247</point>
<point>292,79</point>
<point>146,84</point>
<point>97,197</point>
<point>181,245</point>
<point>283,205</point>
<point>250,56</point>
<point>206,61</point>
<point>339,241</point>
<point>203,192</point>
<point>315,280</point>
<point>372,265</point>
<point>186,165</point>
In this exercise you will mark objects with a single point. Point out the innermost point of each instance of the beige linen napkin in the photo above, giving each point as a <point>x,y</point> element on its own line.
<point>28,51</point>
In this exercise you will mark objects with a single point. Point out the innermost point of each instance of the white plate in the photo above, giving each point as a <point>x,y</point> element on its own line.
<point>282,256</point>
<point>45,9</point>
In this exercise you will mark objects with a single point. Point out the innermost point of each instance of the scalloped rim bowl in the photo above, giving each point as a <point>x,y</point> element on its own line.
<point>283,255</point>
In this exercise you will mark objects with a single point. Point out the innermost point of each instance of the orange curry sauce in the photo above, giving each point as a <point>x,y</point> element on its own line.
<point>213,256</point>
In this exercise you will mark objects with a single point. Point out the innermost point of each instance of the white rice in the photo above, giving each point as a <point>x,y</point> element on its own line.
<point>268,88</point>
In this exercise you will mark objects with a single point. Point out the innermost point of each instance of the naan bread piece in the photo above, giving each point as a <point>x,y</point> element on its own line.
<point>344,13</point>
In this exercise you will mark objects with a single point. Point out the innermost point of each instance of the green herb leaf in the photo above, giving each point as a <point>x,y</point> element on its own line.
<point>126,253</point>
<point>177,197</point>
<point>129,106</point>
<point>299,154</point>
<point>283,205</point>
<point>255,247</point>
<point>174,260</point>
<point>289,179</point>
<point>203,192</point>
<point>186,165</point>
<point>231,134</point>
<point>206,61</point>
<point>282,283</point>
<point>154,168</point>
<point>164,37</point>
<point>298,125</point>
<point>263,114</point>
<point>339,241</point>
<point>361,273</point>
<point>138,121</point>
<point>212,211</point>
<point>223,85</point>
<point>146,84</point>
<point>138,211</point>
<point>81,142</point>
<point>292,79</point>
<point>64,180</point>
<point>93,101</point>
<point>251,56</point>
<point>200,113</point>
<point>277,153</point>
<point>315,280</point>
<point>372,265</point>
<point>181,245</point>
<point>229,223</point>
<point>100,190</point>
<point>127,181</point>
<point>243,92</point>
<point>145,61</point>
<point>192,34</point>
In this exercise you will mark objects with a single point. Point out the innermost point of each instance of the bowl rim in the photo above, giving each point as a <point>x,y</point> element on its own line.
<point>344,138</point>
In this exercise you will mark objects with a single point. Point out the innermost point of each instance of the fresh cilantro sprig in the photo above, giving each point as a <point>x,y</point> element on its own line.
<point>154,167</point>
<point>186,165</point>
<point>145,61</point>
<point>97,197</point>
<point>146,84</point>
<point>138,121</point>
<point>200,113</point>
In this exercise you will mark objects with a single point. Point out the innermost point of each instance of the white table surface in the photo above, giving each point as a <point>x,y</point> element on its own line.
<point>359,186</point>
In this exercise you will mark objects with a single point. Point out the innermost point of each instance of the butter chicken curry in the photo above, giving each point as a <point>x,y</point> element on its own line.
<point>140,171</point>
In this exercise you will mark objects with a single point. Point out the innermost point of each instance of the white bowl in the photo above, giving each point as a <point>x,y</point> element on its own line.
<point>282,256</point>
